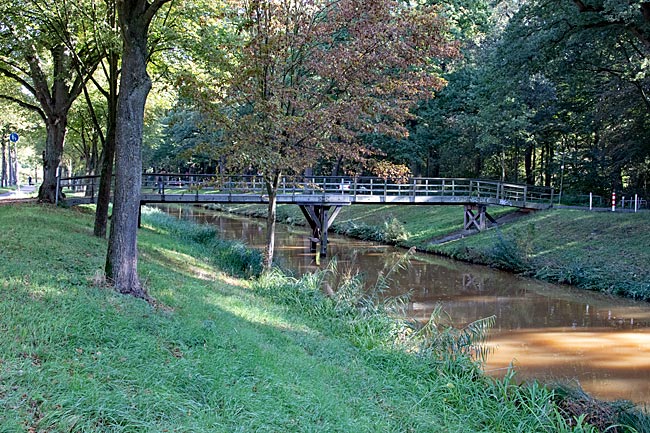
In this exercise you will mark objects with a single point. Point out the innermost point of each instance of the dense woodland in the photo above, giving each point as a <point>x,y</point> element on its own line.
<point>552,93</point>
<point>543,92</point>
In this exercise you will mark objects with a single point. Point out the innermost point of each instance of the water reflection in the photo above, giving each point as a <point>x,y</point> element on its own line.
<point>549,332</point>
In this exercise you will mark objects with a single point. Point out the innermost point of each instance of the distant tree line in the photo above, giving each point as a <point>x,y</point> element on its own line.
<point>552,93</point>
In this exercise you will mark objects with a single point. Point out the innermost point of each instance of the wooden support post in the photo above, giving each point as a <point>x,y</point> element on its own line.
<point>477,221</point>
<point>140,216</point>
<point>489,217</point>
<point>320,219</point>
<point>323,233</point>
<point>314,223</point>
<point>469,219</point>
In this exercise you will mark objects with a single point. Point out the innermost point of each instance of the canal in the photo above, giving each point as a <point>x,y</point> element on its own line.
<point>549,332</point>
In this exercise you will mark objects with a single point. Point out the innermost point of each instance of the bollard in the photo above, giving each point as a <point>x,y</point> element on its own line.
<point>613,201</point>
<point>591,200</point>
<point>636,202</point>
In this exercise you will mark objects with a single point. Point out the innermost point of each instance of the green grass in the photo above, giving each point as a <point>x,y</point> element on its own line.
<point>600,251</point>
<point>406,226</point>
<point>218,353</point>
<point>594,250</point>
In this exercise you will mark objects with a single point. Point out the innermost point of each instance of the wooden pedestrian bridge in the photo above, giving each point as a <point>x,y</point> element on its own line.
<point>322,197</point>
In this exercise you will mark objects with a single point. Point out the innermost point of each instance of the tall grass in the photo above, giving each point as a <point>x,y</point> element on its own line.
<point>599,251</point>
<point>232,256</point>
<point>220,354</point>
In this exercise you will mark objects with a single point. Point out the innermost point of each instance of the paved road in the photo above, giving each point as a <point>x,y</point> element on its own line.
<point>25,192</point>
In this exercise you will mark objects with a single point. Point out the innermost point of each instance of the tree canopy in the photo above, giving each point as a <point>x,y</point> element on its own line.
<point>542,92</point>
<point>309,80</point>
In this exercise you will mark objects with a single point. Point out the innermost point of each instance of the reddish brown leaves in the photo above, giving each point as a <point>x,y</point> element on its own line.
<point>313,76</point>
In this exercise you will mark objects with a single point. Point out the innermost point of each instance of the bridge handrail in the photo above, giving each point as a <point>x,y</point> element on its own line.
<point>198,184</point>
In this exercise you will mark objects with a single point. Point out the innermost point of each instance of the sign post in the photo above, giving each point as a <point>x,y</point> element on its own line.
<point>13,138</point>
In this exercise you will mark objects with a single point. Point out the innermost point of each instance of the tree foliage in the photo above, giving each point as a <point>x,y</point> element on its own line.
<point>43,48</point>
<point>309,79</point>
<point>554,94</point>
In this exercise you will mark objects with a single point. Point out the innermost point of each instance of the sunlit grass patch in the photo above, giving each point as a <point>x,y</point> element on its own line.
<point>182,262</point>
<point>595,250</point>
<point>267,353</point>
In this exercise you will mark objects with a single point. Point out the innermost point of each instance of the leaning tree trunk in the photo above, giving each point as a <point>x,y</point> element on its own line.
<point>105,182</point>
<point>272,190</point>
<point>108,153</point>
<point>122,258</point>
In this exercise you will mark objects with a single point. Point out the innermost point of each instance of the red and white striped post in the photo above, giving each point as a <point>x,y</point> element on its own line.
<point>613,201</point>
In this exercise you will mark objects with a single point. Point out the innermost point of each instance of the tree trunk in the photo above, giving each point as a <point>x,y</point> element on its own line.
<point>337,166</point>
<point>549,165</point>
<point>56,128</point>
<point>108,152</point>
<point>3,178</point>
<point>122,257</point>
<point>272,190</point>
<point>503,165</point>
<point>528,164</point>
<point>56,104</point>
<point>92,165</point>
<point>478,164</point>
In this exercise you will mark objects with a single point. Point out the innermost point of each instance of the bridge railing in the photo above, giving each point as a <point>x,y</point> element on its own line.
<point>85,187</point>
<point>201,184</point>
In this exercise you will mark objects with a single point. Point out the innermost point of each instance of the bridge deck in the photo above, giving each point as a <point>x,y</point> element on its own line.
<point>318,190</point>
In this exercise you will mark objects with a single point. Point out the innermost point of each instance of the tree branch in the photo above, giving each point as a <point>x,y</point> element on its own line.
<point>582,7</point>
<point>14,65</point>
<point>41,90</point>
<point>93,115</point>
<point>151,10</point>
<point>10,74</point>
<point>632,28</point>
<point>26,105</point>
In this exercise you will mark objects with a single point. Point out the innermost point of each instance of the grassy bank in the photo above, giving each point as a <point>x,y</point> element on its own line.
<point>593,250</point>
<point>223,354</point>
<point>406,226</point>
<point>600,251</point>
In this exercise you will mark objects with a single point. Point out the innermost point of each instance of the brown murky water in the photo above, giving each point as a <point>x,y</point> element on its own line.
<point>547,331</point>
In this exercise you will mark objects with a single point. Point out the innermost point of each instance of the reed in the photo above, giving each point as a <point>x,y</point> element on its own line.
<point>216,353</point>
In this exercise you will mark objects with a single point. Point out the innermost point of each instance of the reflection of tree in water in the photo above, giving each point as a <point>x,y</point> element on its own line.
<point>466,292</point>
<point>473,283</point>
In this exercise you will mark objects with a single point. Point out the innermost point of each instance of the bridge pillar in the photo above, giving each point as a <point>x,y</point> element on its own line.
<point>478,220</point>
<point>320,219</point>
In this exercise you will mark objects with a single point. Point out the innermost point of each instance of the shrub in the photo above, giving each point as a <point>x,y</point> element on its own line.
<point>394,231</point>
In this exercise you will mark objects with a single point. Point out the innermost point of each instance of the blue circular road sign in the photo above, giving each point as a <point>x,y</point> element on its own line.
<point>13,137</point>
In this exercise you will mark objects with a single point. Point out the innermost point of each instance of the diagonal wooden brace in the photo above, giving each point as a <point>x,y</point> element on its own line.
<point>476,220</point>
<point>320,219</point>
